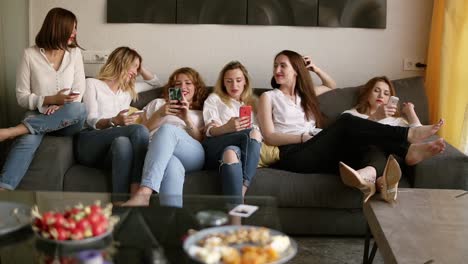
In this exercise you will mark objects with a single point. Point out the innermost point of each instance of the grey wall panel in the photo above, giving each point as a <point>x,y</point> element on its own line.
<point>283,12</point>
<point>354,13</point>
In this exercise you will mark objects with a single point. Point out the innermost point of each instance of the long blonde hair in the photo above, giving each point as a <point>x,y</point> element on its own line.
<point>247,97</point>
<point>116,69</point>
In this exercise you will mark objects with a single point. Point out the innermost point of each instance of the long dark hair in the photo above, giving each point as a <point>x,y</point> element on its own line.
<point>304,87</point>
<point>56,30</point>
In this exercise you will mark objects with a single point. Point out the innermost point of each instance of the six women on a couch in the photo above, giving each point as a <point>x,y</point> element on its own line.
<point>151,150</point>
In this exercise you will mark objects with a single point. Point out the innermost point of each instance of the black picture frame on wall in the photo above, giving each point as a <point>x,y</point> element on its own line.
<point>233,12</point>
<point>141,11</point>
<point>323,13</point>
<point>357,13</point>
<point>283,12</point>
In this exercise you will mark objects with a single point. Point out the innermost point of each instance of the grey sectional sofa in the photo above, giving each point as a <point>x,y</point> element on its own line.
<point>308,203</point>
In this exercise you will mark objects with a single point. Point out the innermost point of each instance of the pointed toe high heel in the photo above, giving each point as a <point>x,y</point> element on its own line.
<point>391,177</point>
<point>351,178</point>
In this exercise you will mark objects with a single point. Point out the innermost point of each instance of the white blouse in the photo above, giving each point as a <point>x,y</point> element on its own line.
<point>37,78</point>
<point>153,106</point>
<point>101,102</point>
<point>214,109</point>
<point>392,121</point>
<point>289,117</point>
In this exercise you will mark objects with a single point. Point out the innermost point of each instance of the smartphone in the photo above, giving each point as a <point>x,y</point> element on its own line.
<point>74,92</point>
<point>175,94</point>
<point>137,112</point>
<point>393,100</point>
<point>246,110</point>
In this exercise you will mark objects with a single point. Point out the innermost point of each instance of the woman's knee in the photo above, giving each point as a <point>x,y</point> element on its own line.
<point>230,156</point>
<point>75,110</point>
<point>139,131</point>
<point>255,134</point>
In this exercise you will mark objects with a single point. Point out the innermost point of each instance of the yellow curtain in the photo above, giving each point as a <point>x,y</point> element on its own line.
<point>447,72</point>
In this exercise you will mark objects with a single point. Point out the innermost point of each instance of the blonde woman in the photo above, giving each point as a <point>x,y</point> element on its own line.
<point>232,145</point>
<point>49,83</point>
<point>112,139</point>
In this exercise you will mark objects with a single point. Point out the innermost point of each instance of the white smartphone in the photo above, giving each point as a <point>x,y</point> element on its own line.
<point>393,100</point>
<point>74,92</point>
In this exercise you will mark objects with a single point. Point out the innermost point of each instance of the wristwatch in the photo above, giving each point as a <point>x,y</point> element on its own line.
<point>111,124</point>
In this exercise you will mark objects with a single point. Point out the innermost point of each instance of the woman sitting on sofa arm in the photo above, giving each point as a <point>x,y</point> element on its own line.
<point>177,127</point>
<point>376,103</point>
<point>50,82</point>
<point>112,138</point>
<point>290,114</point>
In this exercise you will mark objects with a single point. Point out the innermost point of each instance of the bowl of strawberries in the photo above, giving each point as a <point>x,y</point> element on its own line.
<point>78,225</point>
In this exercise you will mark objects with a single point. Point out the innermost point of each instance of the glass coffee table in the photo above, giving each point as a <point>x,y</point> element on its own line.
<point>152,234</point>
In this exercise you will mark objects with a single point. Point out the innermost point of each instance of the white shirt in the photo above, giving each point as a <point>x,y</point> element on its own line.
<point>289,117</point>
<point>153,106</point>
<point>101,102</point>
<point>37,78</point>
<point>214,109</point>
<point>392,121</point>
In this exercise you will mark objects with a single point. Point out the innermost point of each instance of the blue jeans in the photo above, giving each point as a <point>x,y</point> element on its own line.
<point>234,175</point>
<point>66,121</point>
<point>171,153</point>
<point>121,148</point>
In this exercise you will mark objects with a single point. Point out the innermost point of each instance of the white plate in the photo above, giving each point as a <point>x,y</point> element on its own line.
<point>193,239</point>
<point>80,242</point>
<point>9,221</point>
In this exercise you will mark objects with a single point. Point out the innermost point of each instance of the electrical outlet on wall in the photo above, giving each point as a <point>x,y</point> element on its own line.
<point>411,64</point>
<point>95,57</point>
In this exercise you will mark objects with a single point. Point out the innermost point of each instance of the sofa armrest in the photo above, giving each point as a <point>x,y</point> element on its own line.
<point>50,163</point>
<point>448,170</point>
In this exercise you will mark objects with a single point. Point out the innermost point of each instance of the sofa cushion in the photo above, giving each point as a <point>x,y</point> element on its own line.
<point>80,178</point>
<point>290,189</point>
<point>53,158</point>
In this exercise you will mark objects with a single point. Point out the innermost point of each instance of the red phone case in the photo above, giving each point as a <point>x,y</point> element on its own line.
<point>246,110</point>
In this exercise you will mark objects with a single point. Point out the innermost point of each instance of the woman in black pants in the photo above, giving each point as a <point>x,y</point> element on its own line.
<point>290,118</point>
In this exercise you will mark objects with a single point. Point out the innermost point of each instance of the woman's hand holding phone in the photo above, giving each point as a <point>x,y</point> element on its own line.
<point>236,124</point>
<point>124,119</point>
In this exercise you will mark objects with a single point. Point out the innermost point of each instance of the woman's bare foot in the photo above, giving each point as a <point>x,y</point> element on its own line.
<point>421,151</point>
<point>140,198</point>
<point>419,134</point>
<point>12,132</point>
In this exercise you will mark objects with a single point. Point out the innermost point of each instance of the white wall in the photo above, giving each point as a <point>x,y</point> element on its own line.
<point>350,55</point>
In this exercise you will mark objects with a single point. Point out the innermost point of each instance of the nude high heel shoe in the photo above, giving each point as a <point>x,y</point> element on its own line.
<point>391,177</point>
<point>352,178</point>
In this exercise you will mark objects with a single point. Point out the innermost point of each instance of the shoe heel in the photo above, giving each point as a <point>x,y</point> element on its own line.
<point>391,177</point>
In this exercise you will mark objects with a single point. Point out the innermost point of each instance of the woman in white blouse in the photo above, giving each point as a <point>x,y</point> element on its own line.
<point>289,115</point>
<point>373,104</point>
<point>177,128</point>
<point>232,145</point>
<point>49,83</point>
<point>112,138</point>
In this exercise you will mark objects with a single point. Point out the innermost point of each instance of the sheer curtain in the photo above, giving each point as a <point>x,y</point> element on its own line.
<point>446,75</point>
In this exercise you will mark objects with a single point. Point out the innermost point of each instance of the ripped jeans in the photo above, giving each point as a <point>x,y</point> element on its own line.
<point>233,175</point>
<point>66,121</point>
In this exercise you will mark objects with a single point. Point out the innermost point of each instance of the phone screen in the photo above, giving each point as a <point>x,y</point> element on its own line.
<point>175,93</point>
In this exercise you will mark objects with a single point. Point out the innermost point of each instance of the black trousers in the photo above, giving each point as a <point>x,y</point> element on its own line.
<point>345,140</point>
